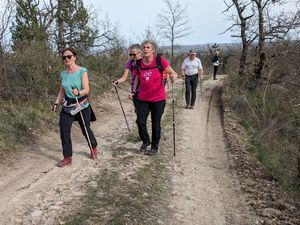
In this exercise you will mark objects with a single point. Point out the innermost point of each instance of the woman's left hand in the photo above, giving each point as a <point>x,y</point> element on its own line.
<point>172,77</point>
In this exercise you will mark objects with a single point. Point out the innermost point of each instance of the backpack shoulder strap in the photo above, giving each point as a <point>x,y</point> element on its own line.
<point>159,64</point>
<point>131,65</point>
<point>138,65</point>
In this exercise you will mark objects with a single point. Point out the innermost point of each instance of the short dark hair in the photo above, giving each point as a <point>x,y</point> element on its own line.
<point>69,49</point>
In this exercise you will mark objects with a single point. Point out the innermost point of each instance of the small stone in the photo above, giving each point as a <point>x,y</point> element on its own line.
<point>37,213</point>
<point>145,195</point>
<point>272,213</point>
<point>54,207</point>
<point>18,221</point>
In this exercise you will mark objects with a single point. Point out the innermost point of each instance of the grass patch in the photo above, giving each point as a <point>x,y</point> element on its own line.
<point>262,154</point>
<point>269,159</point>
<point>19,121</point>
<point>133,137</point>
<point>136,199</point>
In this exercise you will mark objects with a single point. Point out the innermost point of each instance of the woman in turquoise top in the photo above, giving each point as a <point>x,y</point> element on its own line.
<point>74,84</point>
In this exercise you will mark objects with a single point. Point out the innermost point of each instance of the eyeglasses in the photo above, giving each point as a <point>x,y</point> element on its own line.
<point>132,54</point>
<point>67,56</point>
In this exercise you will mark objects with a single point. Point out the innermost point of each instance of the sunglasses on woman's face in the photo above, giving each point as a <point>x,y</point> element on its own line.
<point>132,54</point>
<point>66,56</point>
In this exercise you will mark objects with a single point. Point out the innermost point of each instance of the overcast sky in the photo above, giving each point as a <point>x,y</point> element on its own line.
<point>206,18</point>
<point>134,16</point>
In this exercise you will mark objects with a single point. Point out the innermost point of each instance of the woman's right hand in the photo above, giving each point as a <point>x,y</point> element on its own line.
<point>54,107</point>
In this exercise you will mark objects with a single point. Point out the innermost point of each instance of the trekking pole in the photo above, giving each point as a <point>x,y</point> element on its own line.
<point>173,104</point>
<point>85,129</point>
<point>122,108</point>
<point>182,92</point>
<point>200,84</point>
<point>201,88</point>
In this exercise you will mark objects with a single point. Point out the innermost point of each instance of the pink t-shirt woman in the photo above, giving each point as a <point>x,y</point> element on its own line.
<point>151,87</point>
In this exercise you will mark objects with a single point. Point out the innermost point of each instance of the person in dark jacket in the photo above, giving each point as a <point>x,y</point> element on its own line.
<point>216,63</point>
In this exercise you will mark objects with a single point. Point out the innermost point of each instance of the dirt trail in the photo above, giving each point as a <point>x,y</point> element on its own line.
<point>205,190</point>
<point>34,191</point>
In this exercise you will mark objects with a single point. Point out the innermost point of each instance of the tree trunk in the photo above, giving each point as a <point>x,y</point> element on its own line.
<point>243,57</point>
<point>60,26</point>
<point>261,42</point>
<point>172,50</point>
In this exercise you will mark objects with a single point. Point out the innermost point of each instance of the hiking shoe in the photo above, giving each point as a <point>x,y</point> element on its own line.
<point>94,153</point>
<point>65,162</point>
<point>187,106</point>
<point>144,146</point>
<point>191,107</point>
<point>153,151</point>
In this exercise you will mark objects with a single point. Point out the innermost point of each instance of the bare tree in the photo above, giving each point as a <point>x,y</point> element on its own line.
<point>6,15</point>
<point>258,22</point>
<point>271,26</point>
<point>173,23</point>
<point>242,21</point>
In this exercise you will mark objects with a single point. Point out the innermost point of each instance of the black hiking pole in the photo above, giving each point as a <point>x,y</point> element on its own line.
<point>182,92</point>
<point>173,106</point>
<point>85,129</point>
<point>122,108</point>
<point>200,85</point>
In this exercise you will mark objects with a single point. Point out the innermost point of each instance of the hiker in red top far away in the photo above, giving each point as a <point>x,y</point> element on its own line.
<point>152,95</point>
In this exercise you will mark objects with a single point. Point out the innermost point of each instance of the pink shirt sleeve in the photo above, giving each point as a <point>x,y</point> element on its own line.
<point>164,63</point>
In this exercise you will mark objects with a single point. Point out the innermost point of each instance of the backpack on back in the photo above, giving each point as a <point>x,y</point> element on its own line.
<point>158,65</point>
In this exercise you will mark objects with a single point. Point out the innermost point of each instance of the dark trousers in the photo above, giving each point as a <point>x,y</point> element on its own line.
<point>65,123</point>
<point>190,88</point>
<point>216,68</point>
<point>134,101</point>
<point>157,110</point>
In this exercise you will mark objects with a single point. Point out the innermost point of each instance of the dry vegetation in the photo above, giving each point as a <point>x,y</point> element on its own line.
<point>270,112</point>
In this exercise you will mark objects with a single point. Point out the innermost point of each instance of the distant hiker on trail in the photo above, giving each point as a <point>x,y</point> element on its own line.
<point>73,96</point>
<point>152,94</point>
<point>191,71</point>
<point>135,54</point>
<point>216,63</point>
